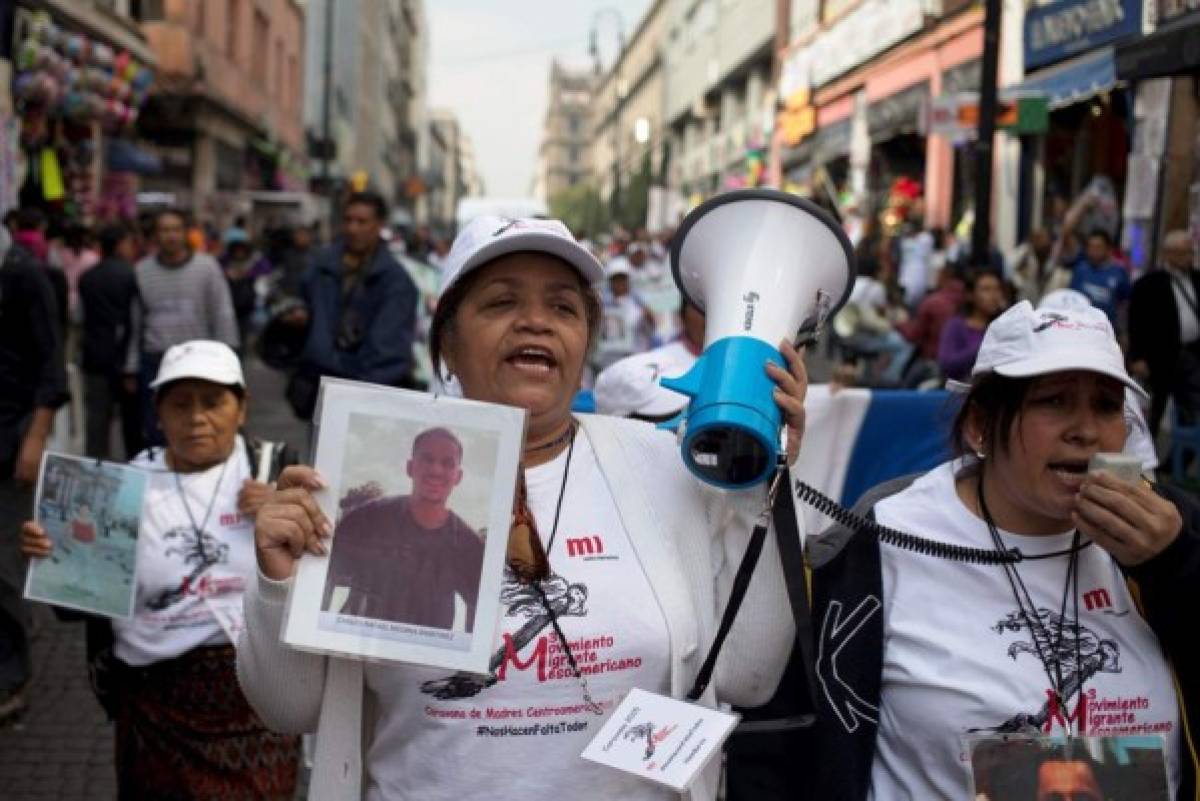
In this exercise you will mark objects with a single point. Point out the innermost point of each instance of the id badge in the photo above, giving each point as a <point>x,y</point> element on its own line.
<point>660,739</point>
<point>1016,766</point>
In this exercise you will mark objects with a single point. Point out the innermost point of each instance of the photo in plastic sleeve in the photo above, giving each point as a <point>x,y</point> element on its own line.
<point>416,483</point>
<point>90,511</point>
<point>1021,768</point>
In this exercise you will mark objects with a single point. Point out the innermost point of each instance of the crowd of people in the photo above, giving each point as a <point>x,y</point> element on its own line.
<point>958,582</point>
<point>920,306</point>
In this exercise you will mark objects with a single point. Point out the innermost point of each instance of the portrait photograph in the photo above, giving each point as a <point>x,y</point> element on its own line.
<point>416,483</point>
<point>90,511</point>
<point>1117,768</point>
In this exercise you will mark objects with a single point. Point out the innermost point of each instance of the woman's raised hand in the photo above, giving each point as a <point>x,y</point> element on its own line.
<point>35,542</point>
<point>290,523</point>
<point>1130,521</point>
<point>791,386</point>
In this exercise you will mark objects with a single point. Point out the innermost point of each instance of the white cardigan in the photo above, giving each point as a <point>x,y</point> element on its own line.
<point>689,540</point>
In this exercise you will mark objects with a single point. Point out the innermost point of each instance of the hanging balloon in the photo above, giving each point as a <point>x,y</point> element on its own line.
<point>27,54</point>
<point>42,28</point>
<point>120,63</point>
<point>73,105</point>
<point>118,89</point>
<point>23,85</point>
<point>144,79</point>
<point>97,79</point>
<point>75,48</point>
<point>102,56</point>
<point>96,105</point>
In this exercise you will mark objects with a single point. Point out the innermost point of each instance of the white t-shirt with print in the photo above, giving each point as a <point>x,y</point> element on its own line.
<point>182,576</point>
<point>450,737</point>
<point>960,661</point>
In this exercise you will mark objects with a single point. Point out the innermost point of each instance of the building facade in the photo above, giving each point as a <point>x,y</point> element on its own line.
<point>564,155</point>
<point>376,95</point>
<point>226,113</point>
<point>628,133</point>
<point>718,64</point>
<point>452,174</point>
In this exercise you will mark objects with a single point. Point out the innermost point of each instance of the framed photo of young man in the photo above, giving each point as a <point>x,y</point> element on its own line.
<point>420,490</point>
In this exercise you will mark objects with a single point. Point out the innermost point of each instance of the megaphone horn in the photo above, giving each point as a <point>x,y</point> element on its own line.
<point>764,266</point>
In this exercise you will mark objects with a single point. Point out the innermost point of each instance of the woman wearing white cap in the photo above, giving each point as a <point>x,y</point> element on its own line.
<point>640,561</point>
<point>995,595</point>
<point>166,674</point>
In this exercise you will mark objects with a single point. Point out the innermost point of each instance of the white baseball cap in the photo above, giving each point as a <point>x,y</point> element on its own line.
<point>489,237</point>
<point>617,265</point>
<point>631,385</point>
<point>203,359</point>
<point>1024,342</point>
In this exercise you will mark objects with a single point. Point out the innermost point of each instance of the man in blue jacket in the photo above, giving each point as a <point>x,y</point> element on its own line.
<point>361,309</point>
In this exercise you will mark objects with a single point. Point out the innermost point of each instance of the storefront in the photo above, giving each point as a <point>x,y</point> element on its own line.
<point>77,88</point>
<point>1069,57</point>
<point>884,99</point>
<point>1164,68</point>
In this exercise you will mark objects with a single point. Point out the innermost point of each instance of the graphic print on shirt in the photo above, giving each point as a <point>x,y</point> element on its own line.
<point>1080,655</point>
<point>520,600</point>
<point>198,550</point>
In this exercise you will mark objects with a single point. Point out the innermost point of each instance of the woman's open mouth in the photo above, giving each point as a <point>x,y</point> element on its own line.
<point>533,360</point>
<point>1071,472</point>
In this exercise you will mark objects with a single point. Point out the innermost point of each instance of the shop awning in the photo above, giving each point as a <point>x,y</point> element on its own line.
<point>1076,80</point>
<point>125,156</point>
<point>1169,51</point>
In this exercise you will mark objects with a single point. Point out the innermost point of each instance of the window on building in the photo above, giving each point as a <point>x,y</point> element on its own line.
<point>141,10</point>
<point>201,22</point>
<point>232,12</point>
<point>573,155</point>
<point>262,48</point>
<point>294,79</point>
<point>279,63</point>
<point>573,125</point>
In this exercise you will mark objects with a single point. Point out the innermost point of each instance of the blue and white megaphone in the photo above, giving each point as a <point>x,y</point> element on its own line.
<point>764,266</point>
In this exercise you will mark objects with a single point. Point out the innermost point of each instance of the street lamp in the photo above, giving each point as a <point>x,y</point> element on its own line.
<point>618,94</point>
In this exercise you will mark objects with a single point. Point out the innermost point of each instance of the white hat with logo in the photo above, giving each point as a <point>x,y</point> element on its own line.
<point>1024,342</point>
<point>488,237</point>
<point>203,359</point>
<point>617,265</point>
<point>631,385</point>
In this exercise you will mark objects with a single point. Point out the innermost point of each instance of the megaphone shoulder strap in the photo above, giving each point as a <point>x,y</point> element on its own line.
<point>783,514</point>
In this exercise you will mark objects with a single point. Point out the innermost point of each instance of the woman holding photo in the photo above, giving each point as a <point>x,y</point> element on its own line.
<point>641,557</point>
<point>166,674</point>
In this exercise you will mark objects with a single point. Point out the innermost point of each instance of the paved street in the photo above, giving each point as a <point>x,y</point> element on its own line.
<point>62,748</point>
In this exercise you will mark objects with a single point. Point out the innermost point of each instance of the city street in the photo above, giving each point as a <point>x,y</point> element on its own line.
<point>62,747</point>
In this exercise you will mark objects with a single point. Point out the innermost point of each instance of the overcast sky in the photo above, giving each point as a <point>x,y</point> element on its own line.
<point>490,64</point>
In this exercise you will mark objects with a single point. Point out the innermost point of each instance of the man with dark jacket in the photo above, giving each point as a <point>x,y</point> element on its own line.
<point>360,309</point>
<point>33,384</point>
<point>1164,331</point>
<point>107,294</point>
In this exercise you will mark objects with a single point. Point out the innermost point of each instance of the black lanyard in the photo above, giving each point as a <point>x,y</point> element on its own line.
<point>207,512</point>
<point>1049,652</point>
